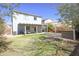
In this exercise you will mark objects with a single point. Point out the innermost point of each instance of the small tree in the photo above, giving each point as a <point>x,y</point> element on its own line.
<point>8,10</point>
<point>70,14</point>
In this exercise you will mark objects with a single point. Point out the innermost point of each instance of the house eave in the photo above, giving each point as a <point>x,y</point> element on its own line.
<point>26,13</point>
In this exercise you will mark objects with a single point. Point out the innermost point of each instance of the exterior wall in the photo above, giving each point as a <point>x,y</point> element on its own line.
<point>24,19</point>
<point>15,26</point>
<point>27,19</point>
<point>39,28</point>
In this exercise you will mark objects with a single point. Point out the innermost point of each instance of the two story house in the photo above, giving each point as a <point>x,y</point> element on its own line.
<point>24,23</point>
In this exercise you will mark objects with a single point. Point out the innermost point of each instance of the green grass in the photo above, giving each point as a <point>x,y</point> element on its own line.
<point>37,45</point>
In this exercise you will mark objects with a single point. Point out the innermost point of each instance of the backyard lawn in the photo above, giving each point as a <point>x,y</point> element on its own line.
<point>38,45</point>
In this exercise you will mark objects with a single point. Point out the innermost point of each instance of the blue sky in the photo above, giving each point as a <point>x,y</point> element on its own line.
<point>45,10</point>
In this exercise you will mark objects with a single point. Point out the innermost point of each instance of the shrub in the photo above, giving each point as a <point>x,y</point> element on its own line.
<point>2,26</point>
<point>3,42</point>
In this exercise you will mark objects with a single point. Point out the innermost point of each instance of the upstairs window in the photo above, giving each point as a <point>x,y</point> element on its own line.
<point>35,18</point>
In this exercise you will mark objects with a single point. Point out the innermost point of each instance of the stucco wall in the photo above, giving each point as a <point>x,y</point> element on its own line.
<point>27,19</point>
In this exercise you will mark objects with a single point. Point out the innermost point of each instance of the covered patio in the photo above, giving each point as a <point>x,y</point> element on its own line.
<point>31,28</point>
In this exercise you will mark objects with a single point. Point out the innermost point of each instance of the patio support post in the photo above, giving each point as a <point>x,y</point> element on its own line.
<point>17,29</point>
<point>41,28</point>
<point>25,29</point>
<point>30,29</point>
<point>36,29</point>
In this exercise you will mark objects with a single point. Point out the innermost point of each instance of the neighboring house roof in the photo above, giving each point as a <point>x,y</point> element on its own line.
<point>26,13</point>
<point>48,21</point>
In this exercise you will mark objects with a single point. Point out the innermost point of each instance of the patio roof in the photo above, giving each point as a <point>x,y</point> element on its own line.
<point>32,24</point>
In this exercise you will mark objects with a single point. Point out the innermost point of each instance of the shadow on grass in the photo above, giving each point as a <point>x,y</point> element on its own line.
<point>75,51</point>
<point>62,46</point>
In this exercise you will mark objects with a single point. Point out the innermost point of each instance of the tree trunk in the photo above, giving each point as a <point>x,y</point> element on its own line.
<point>12,20</point>
<point>74,33</point>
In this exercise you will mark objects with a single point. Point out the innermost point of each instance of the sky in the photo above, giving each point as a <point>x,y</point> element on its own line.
<point>45,10</point>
